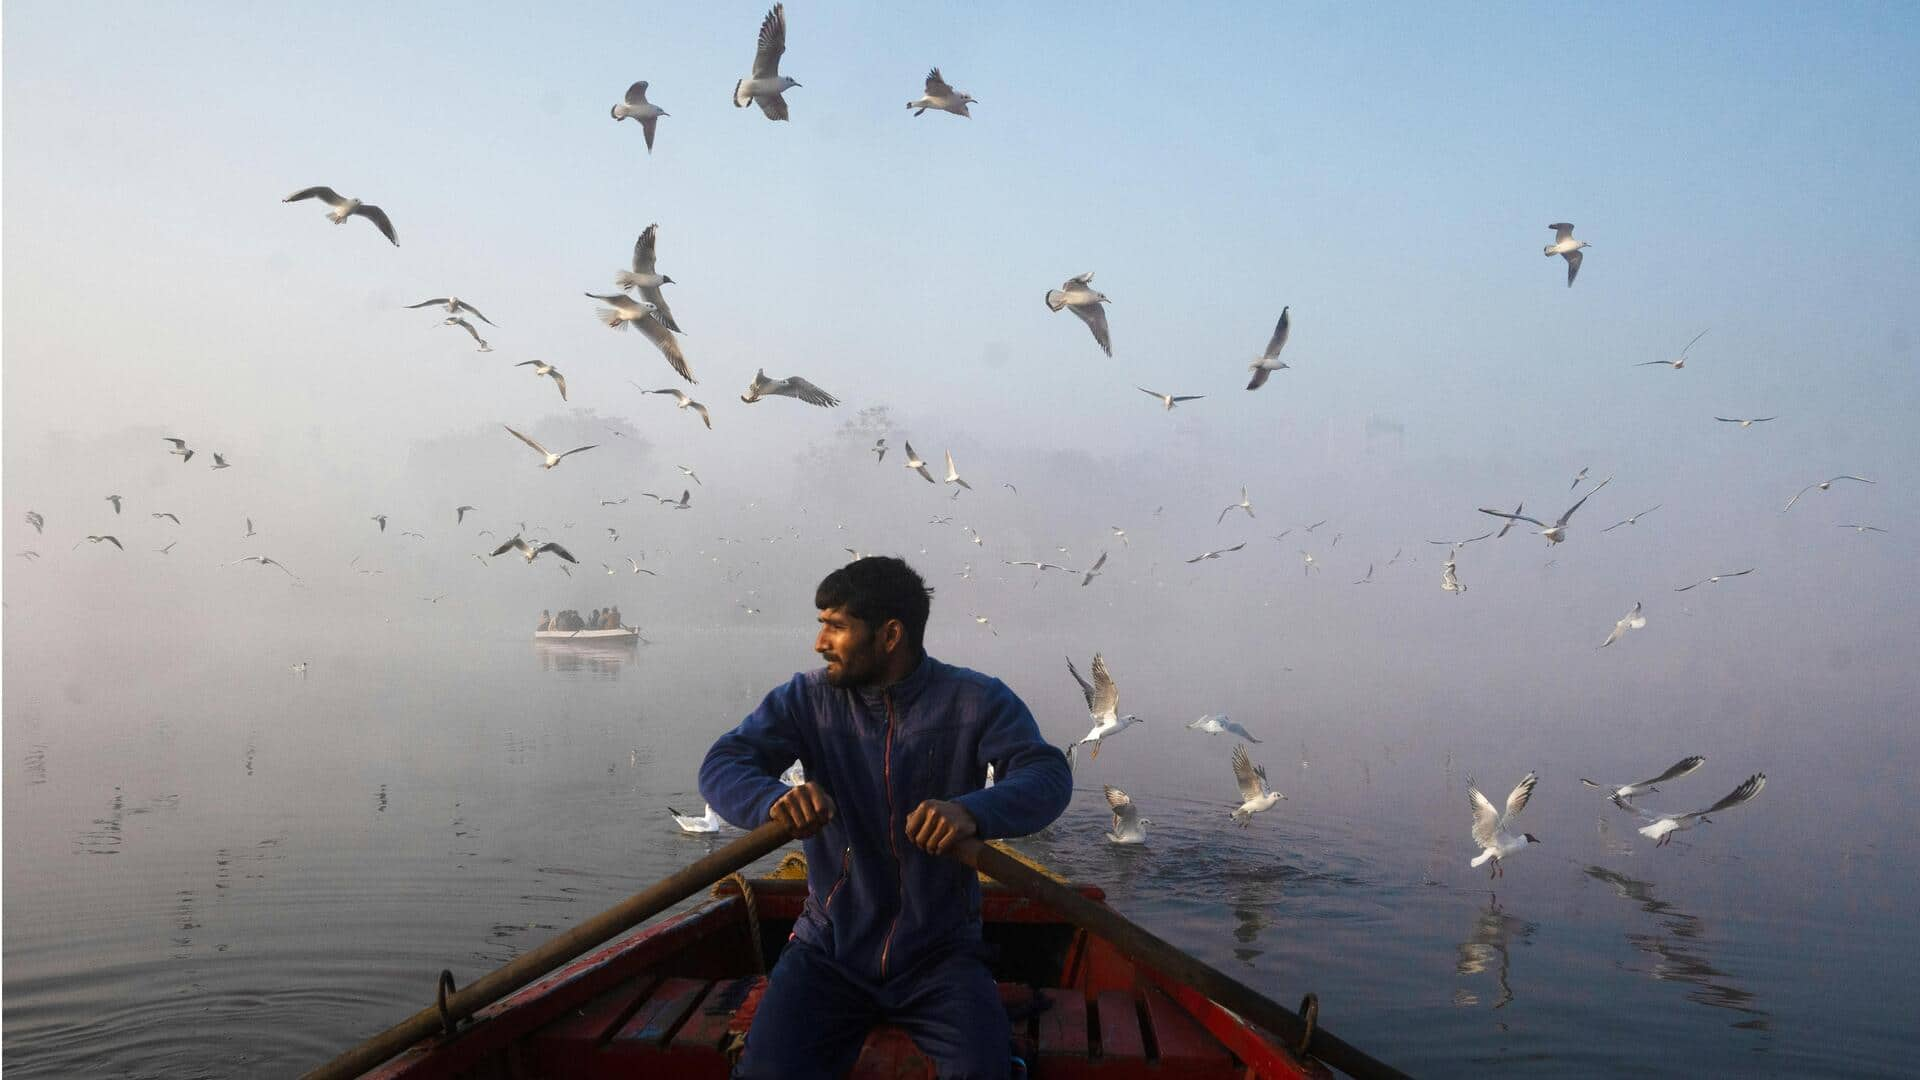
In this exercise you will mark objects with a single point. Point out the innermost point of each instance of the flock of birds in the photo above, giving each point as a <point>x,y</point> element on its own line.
<point>640,304</point>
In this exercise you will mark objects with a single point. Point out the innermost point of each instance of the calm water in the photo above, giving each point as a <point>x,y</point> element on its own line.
<point>216,867</point>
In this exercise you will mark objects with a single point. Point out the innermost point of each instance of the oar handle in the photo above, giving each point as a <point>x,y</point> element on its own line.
<point>1137,943</point>
<point>602,927</point>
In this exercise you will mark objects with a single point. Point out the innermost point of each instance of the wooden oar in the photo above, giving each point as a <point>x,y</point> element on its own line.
<point>602,927</point>
<point>1138,944</point>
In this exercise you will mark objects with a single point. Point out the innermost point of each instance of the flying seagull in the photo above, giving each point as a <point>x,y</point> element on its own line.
<point>765,85</point>
<point>1169,400</point>
<point>982,620</point>
<point>647,279</point>
<point>460,513</point>
<point>1661,827</point>
<point>1556,532</point>
<point>913,462</point>
<point>638,569</point>
<point>793,386</point>
<point>455,320</point>
<point>1121,535</point>
<point>1490,826</point>
<point>344,208</point>
<point>1078,293</point>
<point>1221,725</point>
<point>684,402</point>
<point>1128,826</point>
<point>250,531</point>
<point>1103,707</point>
<point>220,461</point>
<point>1269,361</point>
<point>637,106</point>
<point>707,822</point>
<point>263,560</point>
<point>1862,528</point>
<point>941,96</point>
<point>115,500</point>
<point>175,518</point>
<point>1581,475</point>
<point>1244,504</point>
<point>1627,791</point>
<point>1564,244</point>
<point>454,306</point>
<point>530,552</point>
<point>690,474</point>
<point>1255,794</point>
<point>92,539</point>
<point>168,550</point>
<point>1715,579</point>
<point>39,523</point>
<point>179,447</point>
<point>541,367</point>
<point>1676,364</point>
<point>1449,576</point>
<point>1823,485</point>
<point>1217,554</point>
<point>1633,620</point>
<point>1634,520</point>
<point>552,458</point>
<point>953,474</point>
<point>1745,422</point>
<point>1094,571</point>
<point>381,518</point>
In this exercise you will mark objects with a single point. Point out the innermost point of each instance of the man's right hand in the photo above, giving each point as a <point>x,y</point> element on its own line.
<point>805,810</point>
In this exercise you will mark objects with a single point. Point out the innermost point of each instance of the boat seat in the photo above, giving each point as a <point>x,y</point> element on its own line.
<point>683,1027</point>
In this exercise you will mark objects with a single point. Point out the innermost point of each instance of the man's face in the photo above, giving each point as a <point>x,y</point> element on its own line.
<point>853,652</point>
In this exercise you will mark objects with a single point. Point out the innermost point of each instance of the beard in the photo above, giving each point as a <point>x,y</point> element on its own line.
<point>851,672</point>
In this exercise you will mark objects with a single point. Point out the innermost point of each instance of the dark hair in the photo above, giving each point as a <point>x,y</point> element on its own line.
<point>878,588</point>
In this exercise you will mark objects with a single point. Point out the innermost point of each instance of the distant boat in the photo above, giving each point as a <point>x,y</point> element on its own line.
<point>622,636</point>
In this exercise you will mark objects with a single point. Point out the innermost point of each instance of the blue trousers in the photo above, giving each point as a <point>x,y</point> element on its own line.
<point>815,1015</point>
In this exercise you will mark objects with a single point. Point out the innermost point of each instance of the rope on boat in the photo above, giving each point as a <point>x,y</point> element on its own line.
<point>753,920</point>
<point>444,988</point>
<point>1310,1017</point>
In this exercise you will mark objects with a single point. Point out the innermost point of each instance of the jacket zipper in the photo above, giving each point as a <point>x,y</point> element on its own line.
<point>893,842</point>
<point>846,868</point>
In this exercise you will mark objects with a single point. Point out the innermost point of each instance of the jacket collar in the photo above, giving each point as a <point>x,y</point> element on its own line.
<point>905,692</point>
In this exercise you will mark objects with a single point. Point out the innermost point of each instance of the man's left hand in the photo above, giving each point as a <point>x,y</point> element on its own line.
<point>935,826</point>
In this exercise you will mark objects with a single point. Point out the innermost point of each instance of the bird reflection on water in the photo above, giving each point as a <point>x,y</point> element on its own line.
<point>1678,951</point>
<point>1487,945</point>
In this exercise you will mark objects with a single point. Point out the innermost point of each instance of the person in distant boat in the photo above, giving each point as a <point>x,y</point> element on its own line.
<point>546,620</point>
<point>593,620</point>
<point>895,745</point>
<point>613,621</point>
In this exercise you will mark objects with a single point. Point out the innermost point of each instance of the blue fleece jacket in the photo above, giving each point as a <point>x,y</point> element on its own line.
<point>877,903</point>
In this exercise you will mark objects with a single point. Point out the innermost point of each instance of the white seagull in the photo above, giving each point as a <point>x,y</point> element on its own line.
<point>1269,361</point>
<point>1217,554</point>
<point>708,822</point>
<point>1661,827</point>
<point>1715,579</point>
<point>793,386</point>
<point>552,458</point>
<point>1244,504</point>
<point>1565,245</point>
<point>1103,707</point>
<point>531,552</point>
<point>263,560</point>
<point>455,320</point>
<point>1861,528</point>
<point>1676,364</point>
<point>1823,485</point>
<point>1169,400</point>
<point>941,96</point>
<point>541,367</point>
<point>220,461</point>
<point>1635,519</point>
<point>1746,421</point>
<point>1556,532</point>
<point>647,279</point>
<point>1077,293</point>
<point>1094,571</point>
<point>454,306</point>
<point>1255,794</point>
<point>765,85</point>
<point>638,107</point>
<point>344,208</point>
<point>879,450</point>
<point>982,620</point>
<point>1490,826</point>
<point>1221,725</point>
<point>913,462</point>
<point>683,401</point>
<point>1633,620</point>
<point>1640,787</point>
<point>95,539</point>
<point>179,447</point>
<point>1128,826</point>
<point>953,474</point>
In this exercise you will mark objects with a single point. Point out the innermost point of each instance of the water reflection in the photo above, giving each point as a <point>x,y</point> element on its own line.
<point>1487,946</point>
<point>1678,951</point>
<point>104,837</point>
<point>601,658</point>
<point>1252,907</point>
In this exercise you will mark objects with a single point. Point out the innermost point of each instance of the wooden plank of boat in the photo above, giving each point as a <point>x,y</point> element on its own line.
<point>616,636</point>
<point>674,999</point>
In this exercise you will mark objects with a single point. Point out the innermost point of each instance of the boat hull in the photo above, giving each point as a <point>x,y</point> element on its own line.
<point>596,637</point>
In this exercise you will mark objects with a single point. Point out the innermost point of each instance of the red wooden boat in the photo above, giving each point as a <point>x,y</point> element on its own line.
<point>676,999</point>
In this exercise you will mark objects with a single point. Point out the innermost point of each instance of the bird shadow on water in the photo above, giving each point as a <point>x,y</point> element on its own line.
<point>1677,950</point>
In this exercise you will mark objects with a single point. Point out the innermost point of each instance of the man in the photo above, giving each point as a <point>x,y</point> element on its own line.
<point>546,621</point>
<point>895,745</point>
